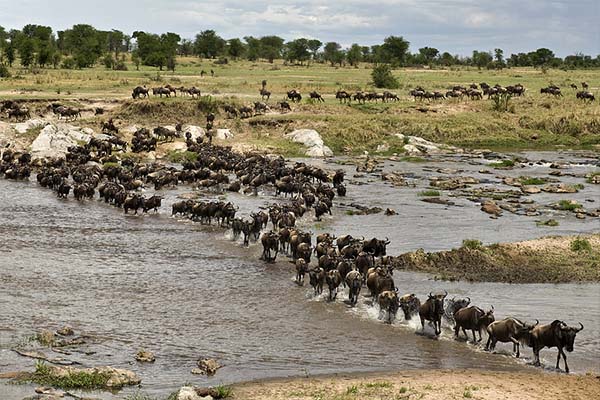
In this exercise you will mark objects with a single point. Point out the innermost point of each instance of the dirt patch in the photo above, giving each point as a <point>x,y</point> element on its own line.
<point>426,385</point>
<point>545,260</point>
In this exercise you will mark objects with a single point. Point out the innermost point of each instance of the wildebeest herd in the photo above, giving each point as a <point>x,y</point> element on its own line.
<point>343,261</point>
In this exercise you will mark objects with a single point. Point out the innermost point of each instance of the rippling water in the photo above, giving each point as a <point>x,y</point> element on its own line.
<point>186,291</point>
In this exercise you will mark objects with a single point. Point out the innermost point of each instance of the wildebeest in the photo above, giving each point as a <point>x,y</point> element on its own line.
<point>453,305</point>
<point>265,94</point>
<point>270,243</point>
<point>585,95</point>
<point>20,114</point>
<point>380,281</point>
<point>314,95</point>
<point>354,282</point>
<point>153,203</point>
<point>410,304</point>
<point>333,279</point>
<point>433,310</point>
<point>301,270</point>
<point>317,278</point>
<point>160,91</point>
<point>139,92</point>
<point>557,334</point>
<point>343,96</point>
<point>388,302</point>
<point>509,330</point>
<point>553,90</point>
<point>474,319</point>
<point>376,247</point>
<point>294,96</point>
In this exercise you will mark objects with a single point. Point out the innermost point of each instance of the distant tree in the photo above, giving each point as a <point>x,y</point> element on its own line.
<point>235,48</point>
<point>84,43</point>
<point>446,59</point>
<point>26,52</point>
<point>331,52</point>
<point>297,50</point>
<point>394,50</point>
<point>252,48</point>
<point>541,57</point>
<point>208,44</point>
<point>427,55</point>
<point>271,47</point>
<point>499,59</point>
<point>115,41</point>
<point>481,59</point>
<point>366,53</point>
<point>354,54</point>
<point>314,45</point>
<point>186,47</point>
<point>157,51</point>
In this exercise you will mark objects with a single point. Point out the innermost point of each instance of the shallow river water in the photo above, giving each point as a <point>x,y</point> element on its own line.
<point>186,291</point>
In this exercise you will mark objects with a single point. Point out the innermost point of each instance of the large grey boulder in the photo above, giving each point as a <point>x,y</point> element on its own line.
<point>312,140</point>
<point>54,140</point>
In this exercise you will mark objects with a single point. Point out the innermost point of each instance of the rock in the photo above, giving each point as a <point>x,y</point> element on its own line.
<point>559,188</point>
<point>54,140</point>
<point>208,366</point>
<point>394,177</point>
<point>390,211</point>
<point>116,378</point>
<point>145,356</point>
<point>311,139</point>
<point>531,189</point>
<point>452,183</point>
<point>595,179</point>
<point>580,215</point>
<point>46,337</point>
<point>223,134</point>
<point>65,331</point>
<point>490,207</point>
<point>510,181</point>
<point>382,148</point>
<point>23,127</point>
<point>195,131</point>
<point>187,393</point>
<point>438,200</point>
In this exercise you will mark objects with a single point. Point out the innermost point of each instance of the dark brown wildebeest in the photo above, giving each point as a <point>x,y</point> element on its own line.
<point>388,302</point>
<point>139,92</point>
<point>314,95</point>
<point>153,203</point>
<point>584,85</point>
<point>317,279</point>
<point>270,243</point>
<point>20,114</point>
<point>354,282</point>
<point>294,96</point>
<point>410,304</point>
<point>553,90</point>
<point>585,96</point>
<point>246,112</point>
<point>301,270</point>
<point>343,96</point>
<point>380,281</point>
<point>285,106</point>
<point>260,107</point>
<point>433,310</point>
<point>160,91</point>
<point>194,91</point>
<point>376,247</point>
<point>265,94</point>
<point>557,334</point>
<point>453,305</point>
<point>573,86</point>
<point>231,111</point>
<point>389,96</point>
<point>474,319</point>
<point>171,89</point>
<point>333,279</point>
<point>509,330</point>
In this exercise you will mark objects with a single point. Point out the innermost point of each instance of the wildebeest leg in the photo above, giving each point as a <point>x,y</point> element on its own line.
<point>515,345</point>
<point>456,329</point>
<point>422,324</point>
<point>560,351</point>
<point>536,355</point>
<point>474,338</point>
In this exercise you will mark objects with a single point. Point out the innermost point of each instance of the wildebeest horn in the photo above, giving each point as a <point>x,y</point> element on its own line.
<point>577,330</point>
<point>446,293</point>
<point>492,307</point>
<point>537,321</point>
<point>469,300</point>
<point>430,295</point>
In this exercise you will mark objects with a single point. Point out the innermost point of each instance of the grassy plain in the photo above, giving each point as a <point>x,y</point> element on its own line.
<point>534,121</point>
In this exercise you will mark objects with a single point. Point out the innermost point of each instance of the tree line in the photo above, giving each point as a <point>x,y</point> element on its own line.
<point>84,46</point>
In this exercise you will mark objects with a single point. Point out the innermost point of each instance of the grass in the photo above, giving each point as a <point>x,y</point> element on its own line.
<point>181,156</point>
<point>579,244</point>
<point>530,180</point>
<point>383,384</point>
<point>532,121</point>
<point>429,193</point>
<point>352,390</point>
<point>77,380</point>
<point>503,164</point>
<point>567,205</point>
<point>548,222</point>
<point>413,159</point>
<point>591,176</point>
<point>472,244</point>
<point>222,392</point>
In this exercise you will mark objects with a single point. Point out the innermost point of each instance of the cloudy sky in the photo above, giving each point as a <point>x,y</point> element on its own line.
<point>457,26</point>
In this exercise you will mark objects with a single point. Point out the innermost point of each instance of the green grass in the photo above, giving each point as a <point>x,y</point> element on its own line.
<point>591,176</point>
<point>503,164</point>
<point>581,245</point>
<point>223,392</point>
<point>76,380</point>
<point>413,159</point>
<point>472,244</point>
<point>429,193</point>
<point>548,222</point>
<point>403,389</point>
<point>467,394</point>
<point>378,384</point>
<point>352,390</point>
<point>181,156</point>
<point>529,180</point>
<point>566,205</point>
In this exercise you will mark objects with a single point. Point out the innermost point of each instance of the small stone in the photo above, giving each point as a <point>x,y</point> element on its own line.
<point>65,331</point>
<point>490,207</point>
<point>145,356</point>
<point>208,366</point>
<point>580,216</point>
<point>531,189</point>
<point>187,393</point>
<point>390,211</point>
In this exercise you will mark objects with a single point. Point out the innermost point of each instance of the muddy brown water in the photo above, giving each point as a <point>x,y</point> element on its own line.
<point>186,291</point>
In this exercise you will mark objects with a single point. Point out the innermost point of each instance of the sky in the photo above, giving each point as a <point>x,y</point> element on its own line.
<point>457,26</point>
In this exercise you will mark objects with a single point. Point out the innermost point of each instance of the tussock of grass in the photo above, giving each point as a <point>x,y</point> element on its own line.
<point>429,193</point>
<point>181,156</point>
<point>549,222</point>
<point>472,244</point>
<point>76,380</point>
<point>581,245</point>
<point>529,180</point>
<point>503,164</point>
<point>567,205</point>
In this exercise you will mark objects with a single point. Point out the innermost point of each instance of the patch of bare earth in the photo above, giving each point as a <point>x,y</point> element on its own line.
<point>427,385</point>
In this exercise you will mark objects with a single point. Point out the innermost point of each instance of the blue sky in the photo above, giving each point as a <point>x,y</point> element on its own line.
<point>457,26</point>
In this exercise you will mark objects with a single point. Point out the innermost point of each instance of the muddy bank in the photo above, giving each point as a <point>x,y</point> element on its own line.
<point>426,385</point>
<point>545,260</point>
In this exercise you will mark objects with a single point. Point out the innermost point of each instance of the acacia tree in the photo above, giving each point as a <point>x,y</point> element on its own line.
<point>235,48</point>
<point>297,50</point>
<point>314,45</point>
<point>208,44</point>
<point>331,52</point>
<point>271,47</point>
<point>394,50</point>
<point>157,51</point>
<point>354,54</point>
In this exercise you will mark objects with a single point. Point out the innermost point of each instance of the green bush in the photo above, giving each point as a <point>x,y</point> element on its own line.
<point>429,193</point>
<point>581,245</point>
<point>383,78</point>
<point>69,63</point>
<point>472,244</point>
<point>4,72</point>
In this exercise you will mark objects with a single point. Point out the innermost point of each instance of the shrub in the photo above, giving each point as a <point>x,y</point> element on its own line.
<point>4,72</point>
<point>472,244</point>
<point>529,180</point>
<point>383,78</point>
<point>68,63</point>
<point>223,392</point>
<point>75,380</point>
<point>581,245</point>
<point>207,104</point>
<point>429,193</point>
<point>501,102</point>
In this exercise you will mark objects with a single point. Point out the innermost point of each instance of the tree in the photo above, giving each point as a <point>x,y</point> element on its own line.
<point>383,78</point>
<point>447,59</point>
<point>252,48</point>
<point>208,44</point>
<point>297,50</point>
<point>541,57</point>
<point>499,58</point>
<point>331,52</point>
<point>271,47</point>
<point>354,54</point>
<point>394,50</point>
<point>186,47</point>
<point>235,48</point>
<point>314,45</point>
<point>427,55</point>
<point>481,58</point>
<point>84,43</point>
<point>26,52</point>
<point>157,51</point>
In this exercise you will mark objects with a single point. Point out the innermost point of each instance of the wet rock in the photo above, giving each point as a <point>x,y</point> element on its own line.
<point>558,166</point>
<point>207,366</point>
<point>312,140</point>
<point>580,215</point>
<point>54,140</point>
<point>510,181</point>
<point>438,200</point>
<point>115,377</point>
<point>559,188</point>
<point>66,331</point>
<point>187,393</point>
<point>418,146</point>
<point>145,356</point>
<point>595,179</point>
<point>394,177</point>
<point>46,337</point>
<point>490,207</point>
<point>531,189</point>
<point>390,211</point>
<point>382,148</point>
<point>194,130</point>
<point>452,183</point>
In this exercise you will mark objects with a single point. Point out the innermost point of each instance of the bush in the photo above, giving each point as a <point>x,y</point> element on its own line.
<point>4,72</point>
<point>472,244</point>
<point>501,101</point>
<point>581,245</point>
<point>206,104</point>
<point>69,63</point>
<point>383,78</point>
<point>429,193</point>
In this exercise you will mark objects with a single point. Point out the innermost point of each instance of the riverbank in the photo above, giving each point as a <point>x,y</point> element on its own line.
<point>545,260</point>
<point>426,385</point>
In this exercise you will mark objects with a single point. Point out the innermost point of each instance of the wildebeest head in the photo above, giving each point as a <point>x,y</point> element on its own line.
<point>437,303</point>
<point>566,334</point>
